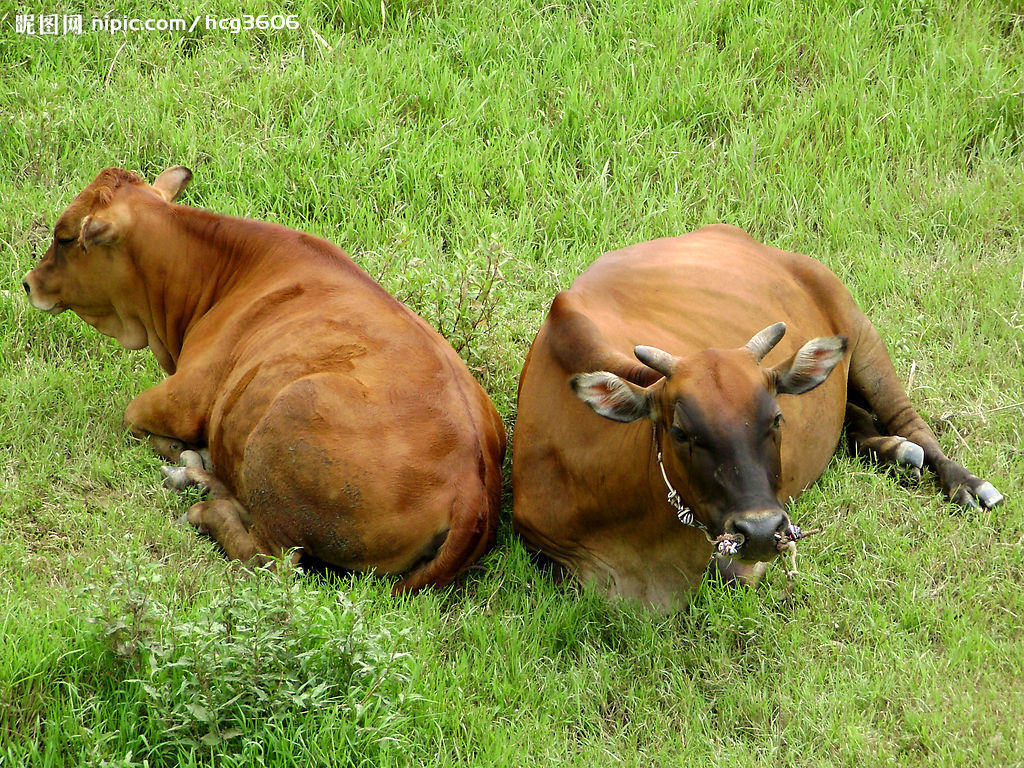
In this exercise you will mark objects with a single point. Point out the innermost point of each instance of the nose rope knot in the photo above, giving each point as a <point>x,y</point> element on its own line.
<point>785,542</point>
<point>728,544</point>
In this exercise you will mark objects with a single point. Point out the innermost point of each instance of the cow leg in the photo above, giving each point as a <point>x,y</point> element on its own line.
<point>173,450</point>
<point>865,440</point>
<point>873,377</point>
<point>221,515</point>
<point>223,521</point>
<point>167,418</point>
<point>166,447</point>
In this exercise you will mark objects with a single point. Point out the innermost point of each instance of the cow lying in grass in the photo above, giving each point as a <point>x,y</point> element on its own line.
<point>330,418</point>
<point>730,413</point>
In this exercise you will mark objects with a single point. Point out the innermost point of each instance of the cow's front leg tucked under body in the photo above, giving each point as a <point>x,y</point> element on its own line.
<point>166,417</point>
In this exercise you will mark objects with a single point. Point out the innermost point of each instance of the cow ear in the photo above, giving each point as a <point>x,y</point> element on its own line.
<point>97,230</point>
<point>611,397</point>
<point>811,365</point>
<point>172,182</point>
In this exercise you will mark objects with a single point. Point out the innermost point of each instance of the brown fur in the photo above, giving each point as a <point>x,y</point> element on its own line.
<point>337,420</point>
<point>587,491</point>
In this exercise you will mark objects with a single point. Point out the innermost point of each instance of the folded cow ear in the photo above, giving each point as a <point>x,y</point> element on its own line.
<point>611,396</point>
<point>172,182</point>
<point>810,366</point>
<point>97,230</point>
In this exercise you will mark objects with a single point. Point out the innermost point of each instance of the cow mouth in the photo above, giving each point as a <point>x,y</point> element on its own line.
<point>54,308</point>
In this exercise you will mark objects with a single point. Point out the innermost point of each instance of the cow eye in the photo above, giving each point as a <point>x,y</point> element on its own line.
<point>680,435</point>
<point>777,421</point>
<point>66,241</point>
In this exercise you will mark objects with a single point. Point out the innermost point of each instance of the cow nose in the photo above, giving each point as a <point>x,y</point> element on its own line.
<point>25,285</point>
<point>759,531</point>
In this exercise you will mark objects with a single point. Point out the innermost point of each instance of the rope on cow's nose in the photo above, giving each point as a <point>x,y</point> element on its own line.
<point>785,543</point>
<point>728,544</point>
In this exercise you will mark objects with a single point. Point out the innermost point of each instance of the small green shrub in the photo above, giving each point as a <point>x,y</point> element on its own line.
<point>214,675</point>
<point>457,296</point>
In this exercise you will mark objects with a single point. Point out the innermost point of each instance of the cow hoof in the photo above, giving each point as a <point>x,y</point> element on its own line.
<point>174,477</point>
<point>190,519</point>
<point>192,459</point>
<point>984,492</point>
<point>911,472</point>
<point>910,454</point>
<point>965,498</point>
<point>988,495</point>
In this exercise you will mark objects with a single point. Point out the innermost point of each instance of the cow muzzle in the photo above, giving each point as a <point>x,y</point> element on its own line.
<point>755,535</point>
<point>53,306</point>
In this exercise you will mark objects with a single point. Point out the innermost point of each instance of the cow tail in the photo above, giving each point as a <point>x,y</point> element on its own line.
<point>472,532</point>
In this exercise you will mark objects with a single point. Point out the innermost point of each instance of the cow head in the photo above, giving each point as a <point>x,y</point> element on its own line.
<point>86,268</point>
<point>720,427</point>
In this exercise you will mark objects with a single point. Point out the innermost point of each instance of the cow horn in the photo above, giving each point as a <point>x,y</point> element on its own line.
<point>655,358</point>
<point>764,341</point>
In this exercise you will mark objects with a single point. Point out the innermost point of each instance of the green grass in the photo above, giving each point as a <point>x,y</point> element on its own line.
<point>436,141</point>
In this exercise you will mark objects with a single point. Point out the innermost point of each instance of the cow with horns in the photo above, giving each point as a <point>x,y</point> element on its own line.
<point>746,362</point>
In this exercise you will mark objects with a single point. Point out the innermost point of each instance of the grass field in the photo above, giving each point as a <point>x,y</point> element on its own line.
<point>451,145</point>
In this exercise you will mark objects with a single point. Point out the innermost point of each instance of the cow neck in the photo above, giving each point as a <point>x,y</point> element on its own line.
<point>188,270</point>
<point>683,512</point>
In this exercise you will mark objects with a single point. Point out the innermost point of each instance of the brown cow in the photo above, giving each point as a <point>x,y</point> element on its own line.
<point>743,424</point>
<point>337,421</point>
